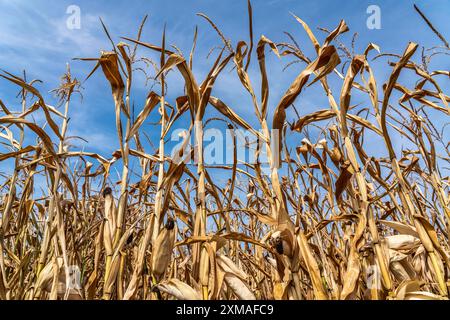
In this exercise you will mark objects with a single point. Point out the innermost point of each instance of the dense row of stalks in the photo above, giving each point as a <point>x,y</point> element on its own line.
<point>330,220</point>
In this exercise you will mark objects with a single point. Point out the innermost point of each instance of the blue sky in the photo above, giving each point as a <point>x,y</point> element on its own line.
<point>34,37</point>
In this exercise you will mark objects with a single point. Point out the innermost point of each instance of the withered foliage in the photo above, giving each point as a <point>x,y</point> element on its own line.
<point>330,220</point>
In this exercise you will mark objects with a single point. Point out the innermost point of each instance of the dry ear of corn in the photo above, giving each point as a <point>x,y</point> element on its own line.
<point>163,247</point>
<point>341,211</point>
<point>179,290</point>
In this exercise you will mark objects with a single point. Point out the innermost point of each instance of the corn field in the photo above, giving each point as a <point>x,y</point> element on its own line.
<point>330,219</point>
